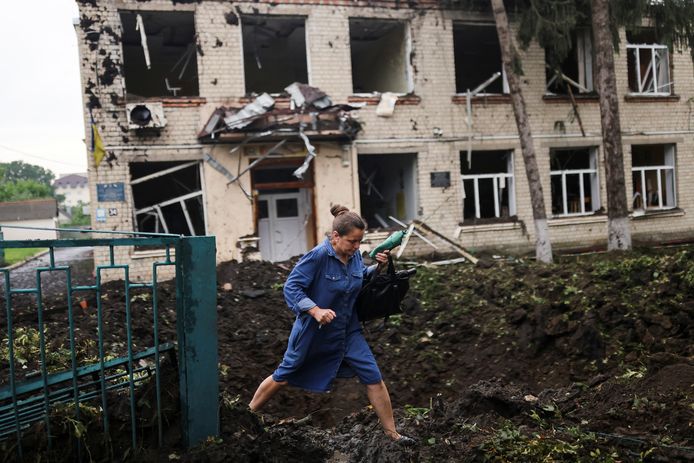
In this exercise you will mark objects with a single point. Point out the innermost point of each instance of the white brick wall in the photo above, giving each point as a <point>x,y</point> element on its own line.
<point>410,129</point>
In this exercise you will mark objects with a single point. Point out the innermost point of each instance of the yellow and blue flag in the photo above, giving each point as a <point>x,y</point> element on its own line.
<point>97,145</point>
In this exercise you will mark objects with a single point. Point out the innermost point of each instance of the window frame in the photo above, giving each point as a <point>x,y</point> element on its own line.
<point>652,69</point>
<point>669,152</point>
<point>585,63</point>
<point>509,179</point>
<point>505,89</point>
<point>593,171</point>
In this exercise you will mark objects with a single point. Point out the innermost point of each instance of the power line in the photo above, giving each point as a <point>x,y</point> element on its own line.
<point>39,157</point>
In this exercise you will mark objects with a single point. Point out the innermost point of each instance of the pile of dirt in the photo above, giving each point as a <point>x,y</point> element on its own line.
<point>590,359</point>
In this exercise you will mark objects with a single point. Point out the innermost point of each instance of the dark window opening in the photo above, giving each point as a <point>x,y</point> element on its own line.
<point>388,187</point>
<point>170,49</point>
<point>274,52</point>
<point>168,197</point>
<point>576,70</point>
<point>574,181</point>
<point>379,56</point>
<point>488,190</point>
<point>477,58</point>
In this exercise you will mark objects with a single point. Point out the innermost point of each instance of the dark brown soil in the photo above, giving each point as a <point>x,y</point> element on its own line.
<point>590,359</point>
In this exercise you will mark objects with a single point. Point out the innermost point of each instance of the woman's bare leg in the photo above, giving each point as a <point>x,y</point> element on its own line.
<point>380,400</point>
<point>267,389</point>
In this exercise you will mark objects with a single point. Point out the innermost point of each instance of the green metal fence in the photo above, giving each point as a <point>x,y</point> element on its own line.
<point>96,368</point>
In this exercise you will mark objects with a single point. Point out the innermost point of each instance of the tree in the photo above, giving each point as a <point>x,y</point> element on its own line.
<point>19,170</point>
<point>512,66</point>
<point>24,189</point>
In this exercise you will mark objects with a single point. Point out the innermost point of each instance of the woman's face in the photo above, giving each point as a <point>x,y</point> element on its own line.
<point>348,244</point>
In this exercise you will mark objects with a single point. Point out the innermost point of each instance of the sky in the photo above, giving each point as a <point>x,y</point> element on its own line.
<point>40,96</point>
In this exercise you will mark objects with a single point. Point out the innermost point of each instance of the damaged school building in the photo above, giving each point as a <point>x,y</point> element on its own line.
<point>248,120</point>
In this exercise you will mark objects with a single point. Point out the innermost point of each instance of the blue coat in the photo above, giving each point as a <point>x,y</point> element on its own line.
<point>317,354</point>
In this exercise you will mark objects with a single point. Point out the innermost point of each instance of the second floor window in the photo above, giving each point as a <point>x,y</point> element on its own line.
<point>380,50</point>
<point>648,64</point>
<point>488,189</point>
<point>576,70</point>
<point>653,176</point>
<point>477,58</point>
<point>574,180</point>
<point>274,52</point>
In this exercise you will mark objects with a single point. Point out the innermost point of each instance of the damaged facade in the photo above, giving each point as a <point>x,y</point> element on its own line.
<point>248,120</point>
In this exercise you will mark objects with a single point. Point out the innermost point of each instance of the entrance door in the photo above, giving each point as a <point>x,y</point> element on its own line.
<point>282,221</point>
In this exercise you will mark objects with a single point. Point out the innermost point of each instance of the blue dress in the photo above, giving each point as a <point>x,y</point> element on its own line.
<point>316,354</point>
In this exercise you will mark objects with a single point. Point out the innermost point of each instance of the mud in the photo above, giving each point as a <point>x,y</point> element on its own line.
<point>590,359</point>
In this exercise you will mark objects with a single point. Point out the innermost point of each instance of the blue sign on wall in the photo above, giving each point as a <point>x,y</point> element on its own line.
<point>110,192</point>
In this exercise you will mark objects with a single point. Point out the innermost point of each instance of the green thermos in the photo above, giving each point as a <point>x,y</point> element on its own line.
<point>391,242</point>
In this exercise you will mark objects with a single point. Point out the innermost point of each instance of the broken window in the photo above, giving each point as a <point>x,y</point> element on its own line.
<point>478,58</point>
<point>168,197</point>
<point>488,190</point>
<point>653,176</point>
<point>159,54</point>
<point>574,180</point>
<point>388,187</point>
<point>380,56</point>
<point>576,70</point>
<point>274,52</point>
<point>648,64</point>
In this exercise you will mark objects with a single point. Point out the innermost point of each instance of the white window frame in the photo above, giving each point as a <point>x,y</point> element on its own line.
<point>670,185</point>
<point>654,85</point>
<point>500,181</point>
<point>594,185</point>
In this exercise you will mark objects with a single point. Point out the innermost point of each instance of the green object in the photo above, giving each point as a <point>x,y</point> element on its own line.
<point>24,400</point>
<point>391,242</point>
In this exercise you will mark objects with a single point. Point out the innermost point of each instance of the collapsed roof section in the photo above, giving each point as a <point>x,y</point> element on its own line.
<point>308,112</point>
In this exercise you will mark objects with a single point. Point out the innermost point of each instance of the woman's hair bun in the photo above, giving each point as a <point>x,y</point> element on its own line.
<point>338,209</point>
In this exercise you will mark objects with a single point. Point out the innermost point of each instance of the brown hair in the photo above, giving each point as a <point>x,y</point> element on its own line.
<point>345,220</point>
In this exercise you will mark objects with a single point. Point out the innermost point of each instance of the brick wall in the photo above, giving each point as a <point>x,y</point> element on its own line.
<point>411,129</point>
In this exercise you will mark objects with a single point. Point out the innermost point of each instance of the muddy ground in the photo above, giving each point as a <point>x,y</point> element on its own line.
<point>590,359</point>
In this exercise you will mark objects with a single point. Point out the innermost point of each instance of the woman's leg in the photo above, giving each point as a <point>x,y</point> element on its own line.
<point>380,400</point>
<point>267,389</point>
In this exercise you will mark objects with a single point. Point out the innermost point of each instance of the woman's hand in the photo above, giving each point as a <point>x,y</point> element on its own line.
<point>322,316</point>
<point>382,259</point>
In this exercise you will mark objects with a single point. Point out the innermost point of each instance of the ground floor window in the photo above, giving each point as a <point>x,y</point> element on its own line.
<point>653,176</point>
<point>168,197</point>
<point>388,188</point>
<point>488,190</point>
<point>574,180</point>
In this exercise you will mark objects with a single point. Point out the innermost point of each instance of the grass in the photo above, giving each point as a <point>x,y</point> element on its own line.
<point>14,255</point>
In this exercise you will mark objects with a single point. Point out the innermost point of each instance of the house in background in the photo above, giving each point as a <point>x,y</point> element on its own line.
<point>38,213</point>
<point>74,187</point>
<point>248,120</point>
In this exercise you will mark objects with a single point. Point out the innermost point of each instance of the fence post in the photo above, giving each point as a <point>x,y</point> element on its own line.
<point>196,324</point>
<point>2,251</point>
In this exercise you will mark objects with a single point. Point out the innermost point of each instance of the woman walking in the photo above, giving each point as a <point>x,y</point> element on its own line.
<point>326,341</point>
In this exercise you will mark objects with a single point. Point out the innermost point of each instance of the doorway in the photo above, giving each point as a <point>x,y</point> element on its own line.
<point>282,221</point>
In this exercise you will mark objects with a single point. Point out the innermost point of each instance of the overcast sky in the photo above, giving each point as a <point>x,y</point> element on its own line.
<point>40,97</point>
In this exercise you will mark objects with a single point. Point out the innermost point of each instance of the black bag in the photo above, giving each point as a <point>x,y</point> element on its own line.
<point>382,293</point>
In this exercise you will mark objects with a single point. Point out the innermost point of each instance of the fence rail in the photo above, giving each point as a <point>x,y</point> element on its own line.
<point>77,355</point>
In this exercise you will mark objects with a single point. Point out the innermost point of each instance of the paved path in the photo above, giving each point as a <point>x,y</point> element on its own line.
<point>81,263</point>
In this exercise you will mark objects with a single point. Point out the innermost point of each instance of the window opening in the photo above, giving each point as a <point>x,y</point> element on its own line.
<point>387,188</point>
<point>159,55</point>
<point>574,181</point>
<point>653,176</point>
<point>380,56</point>
<point>477,58</point>
<point>274,52</point>
<point>576,70</point>
<point>488,189</point>
<point>168,197</point>
<point>648,64</point>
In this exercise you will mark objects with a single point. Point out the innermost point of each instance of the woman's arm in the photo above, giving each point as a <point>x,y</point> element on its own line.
<point>299,281</point>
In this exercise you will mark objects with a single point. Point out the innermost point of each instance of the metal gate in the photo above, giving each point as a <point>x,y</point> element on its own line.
<point>78,373</point>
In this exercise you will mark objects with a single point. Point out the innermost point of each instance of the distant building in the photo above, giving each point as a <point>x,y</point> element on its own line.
<point>75,188</point>
<point>39,213</point>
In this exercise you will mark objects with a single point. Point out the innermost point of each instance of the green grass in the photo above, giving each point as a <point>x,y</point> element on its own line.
<point>14,255</point>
